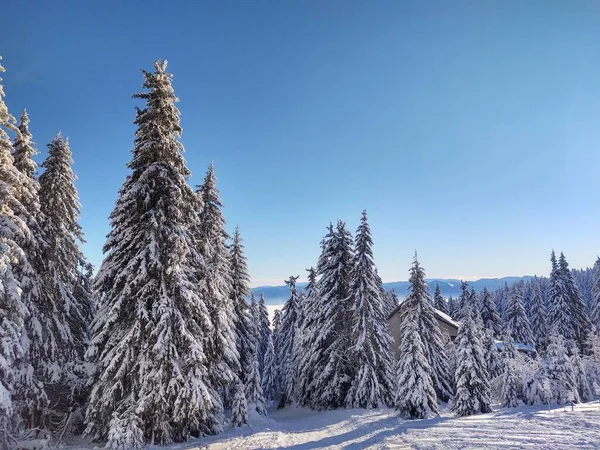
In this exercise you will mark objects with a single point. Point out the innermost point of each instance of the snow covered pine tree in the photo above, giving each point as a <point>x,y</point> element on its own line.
<point>287,339</point>
<point>373,384</point>
<point>415,396</point>
<point>245,328</point>
<point>151,379</point>
<point>331,335</point>
<point>215,284</point>
<point>13,233</point>
<point>60,207</point>
<point>472,378</point>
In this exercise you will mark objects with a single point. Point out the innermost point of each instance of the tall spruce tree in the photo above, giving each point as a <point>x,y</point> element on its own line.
<point>333,371</point>
<point>308,339</point>
<point>372,386</point>
<point>24,149</point>
<point>515,320</point>
<point>539,325</point>
<point>269,373</point>
<point>152,367</point>
<point>244,324</point>
<point>276,329</point>
<point>492,355</point>
<point>392,300</point>
<point>489,313</point>
<point>472,378</point>
<point>416,394</point>
<point>582,381</point>
<point>14,233</point>
<point>60,206</point>
<point>431,334</point>
<point>580,321</point>
<point>263,329</point>
<point>239,410</point>
<point>215,284</point>
<point>464,302</point>
<point>452,307</point>
<point>559,310</point>
<point>253,308</point>
<point>438,301</point>
<point>595,315</point>
<point>287,335</point>
<point>47,343</point>
<point>510,378</point>
<point>556,368</point>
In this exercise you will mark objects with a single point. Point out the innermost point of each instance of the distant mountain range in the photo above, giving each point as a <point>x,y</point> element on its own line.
<point>276,295</point>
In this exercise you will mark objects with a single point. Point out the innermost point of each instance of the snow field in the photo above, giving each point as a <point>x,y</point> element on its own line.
<point>525,427</point>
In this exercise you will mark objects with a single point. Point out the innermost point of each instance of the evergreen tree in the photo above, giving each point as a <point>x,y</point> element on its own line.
<point>14,233</point>
<point>429,328</point>
<point>47,343</point>
<point>582,384</point>
<point>464,302</point>
<point>492,356</point>
<point>556,368</point>
<point>254,314</point>
<point>510,378</point>
<point>215,285</point>
<point>472,378</point>
<point>239,411</point>
<point>415,395</point>
<point>392,301</point>
<point>263,330</point>
<point>269,374</point>
<point>61,209</point>
<point>595,315</point>
<point>515,320</point>
<point>559,311</point>
<point>476,309</point>
<point>489,313</point>
<point>539,326</point>
<point>309,334</point>
<point>243,321</point>
<point>276,329</point>
<point>372,386</point>
<point>24,151</point>
<point>152,367</point>
<point>333,371</point>
<point>254,390</point>
<point>452,307</point>
<point>580,321</point>
<point>286,337</point>
<point>438,301</point>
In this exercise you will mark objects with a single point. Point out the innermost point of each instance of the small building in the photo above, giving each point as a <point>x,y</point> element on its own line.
<point>526,349</point>
<point>447,325</point>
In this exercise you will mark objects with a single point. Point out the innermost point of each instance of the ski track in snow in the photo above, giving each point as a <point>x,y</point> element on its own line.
<point>519,428</point>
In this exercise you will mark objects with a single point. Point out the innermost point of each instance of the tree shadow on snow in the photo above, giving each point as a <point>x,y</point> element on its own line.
<point>378,429</point>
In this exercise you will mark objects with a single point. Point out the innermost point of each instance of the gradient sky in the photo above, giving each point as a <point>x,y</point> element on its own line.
<point>469,130</point>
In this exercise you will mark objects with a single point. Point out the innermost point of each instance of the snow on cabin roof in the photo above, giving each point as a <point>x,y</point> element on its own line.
<point>518,346</point>
<point>438,314</point>
<point>445,318</point>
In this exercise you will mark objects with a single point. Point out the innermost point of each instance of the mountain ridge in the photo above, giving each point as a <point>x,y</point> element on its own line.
<point>448,286</point>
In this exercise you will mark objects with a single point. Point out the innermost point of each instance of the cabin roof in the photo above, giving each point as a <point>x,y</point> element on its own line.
<point>518,346</point>
<point>442,317</point>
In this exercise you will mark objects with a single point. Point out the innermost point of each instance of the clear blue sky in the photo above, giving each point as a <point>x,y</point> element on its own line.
<point>470,131</point>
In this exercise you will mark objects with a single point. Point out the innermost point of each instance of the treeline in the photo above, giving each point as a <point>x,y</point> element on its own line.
<point>534,342</point>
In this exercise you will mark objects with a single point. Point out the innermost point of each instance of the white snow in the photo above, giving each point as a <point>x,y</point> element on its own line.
<point>519,428</point>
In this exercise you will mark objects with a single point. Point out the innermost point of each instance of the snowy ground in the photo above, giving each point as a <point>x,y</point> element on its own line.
<point>521,428</point>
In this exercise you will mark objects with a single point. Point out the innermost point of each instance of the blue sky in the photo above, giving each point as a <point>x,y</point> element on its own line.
<point>469,130</point>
